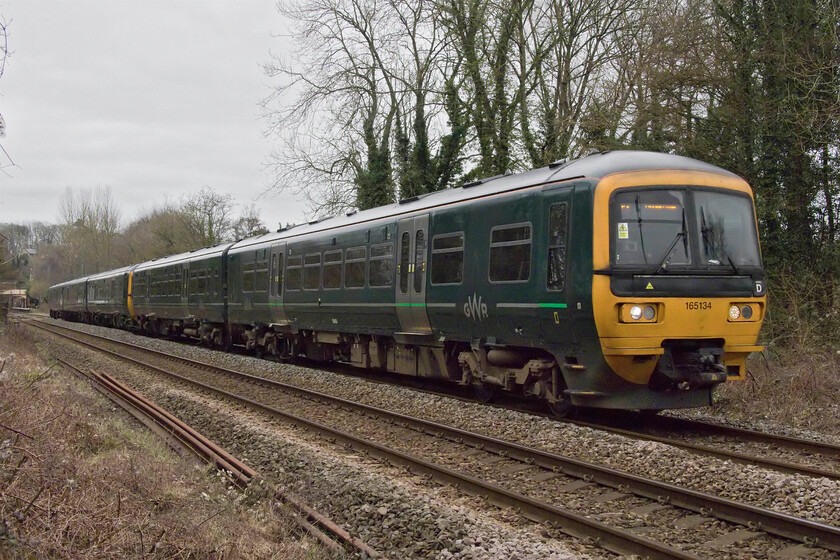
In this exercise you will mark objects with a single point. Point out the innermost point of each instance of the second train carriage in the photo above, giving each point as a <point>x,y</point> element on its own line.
<point>620,280</point>
<point>182,294</point>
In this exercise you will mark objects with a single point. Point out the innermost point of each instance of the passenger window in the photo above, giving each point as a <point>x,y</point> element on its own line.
<point>332,270</point>
<point>293,273</point>
<point>248,277</point>
<point>312,272</point>
<point>261,276</point>
<point>354,267</point>
<point>558,227</point>
<point>381,267</point>
<point>510,253</point>
<point>448,258</point>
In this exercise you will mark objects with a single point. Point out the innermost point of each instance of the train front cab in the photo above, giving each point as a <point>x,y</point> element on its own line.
<point>678,288</point>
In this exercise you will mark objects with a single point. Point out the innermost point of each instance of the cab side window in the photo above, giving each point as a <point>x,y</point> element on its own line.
<point>558,228</point>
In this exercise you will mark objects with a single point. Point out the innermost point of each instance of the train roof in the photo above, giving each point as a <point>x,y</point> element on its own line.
<point>180,257</point>
<point>70,282</point>
<point>593,166</point>
<point>110,273</point>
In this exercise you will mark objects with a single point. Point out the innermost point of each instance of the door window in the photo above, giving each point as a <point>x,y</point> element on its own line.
<point>419,260</point>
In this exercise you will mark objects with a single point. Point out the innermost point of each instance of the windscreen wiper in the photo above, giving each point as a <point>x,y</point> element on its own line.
<point>663,263</point>
<point>639,222</point>
<point>715,242</point>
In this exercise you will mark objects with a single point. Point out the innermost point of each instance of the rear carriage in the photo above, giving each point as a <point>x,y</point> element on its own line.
<point>68,300</point>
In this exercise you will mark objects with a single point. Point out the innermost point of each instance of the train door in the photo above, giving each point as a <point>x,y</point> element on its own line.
<point>558,304</point>
<point>185,288</point>
<point>275,283</point>
<point>411,274</point>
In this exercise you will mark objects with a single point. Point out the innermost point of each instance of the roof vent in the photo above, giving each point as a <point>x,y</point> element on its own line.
<point>487,179</point>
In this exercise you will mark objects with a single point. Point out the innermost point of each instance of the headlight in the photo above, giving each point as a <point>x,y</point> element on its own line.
<point>639,313</point>
<point>744,312</point>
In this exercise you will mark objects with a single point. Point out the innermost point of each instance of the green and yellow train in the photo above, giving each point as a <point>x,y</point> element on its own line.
<point>629,280</point>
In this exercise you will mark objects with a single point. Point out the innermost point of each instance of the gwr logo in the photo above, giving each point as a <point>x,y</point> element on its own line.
<point>475,309</point>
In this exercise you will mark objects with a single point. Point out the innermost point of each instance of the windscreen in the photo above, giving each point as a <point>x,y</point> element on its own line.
<point>683,226</point>
<point>727,230</point>
<point>648,227</point>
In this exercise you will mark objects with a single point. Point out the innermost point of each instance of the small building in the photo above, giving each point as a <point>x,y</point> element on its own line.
<point>15,299</point>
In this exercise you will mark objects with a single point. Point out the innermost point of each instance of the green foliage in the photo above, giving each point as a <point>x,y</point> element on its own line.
<point>374,183</point>
<point>776,122</point>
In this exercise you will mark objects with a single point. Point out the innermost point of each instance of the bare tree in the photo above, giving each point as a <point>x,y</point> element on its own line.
<point>4,44</point>
<point>207,216</point>
<point>90,221</point>
<point>367,81</point>
<point>5,53</point>
<point>159,232</point>
<point>566,52</point>
<point>249,223</point>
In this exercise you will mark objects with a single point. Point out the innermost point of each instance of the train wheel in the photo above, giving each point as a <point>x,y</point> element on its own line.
<point>562,408</point>
<point>271,348</point>
<point>485,392</point>
<point>286,350</point>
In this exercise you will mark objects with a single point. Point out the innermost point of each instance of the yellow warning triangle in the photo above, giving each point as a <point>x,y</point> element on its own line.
<point>649,286</point>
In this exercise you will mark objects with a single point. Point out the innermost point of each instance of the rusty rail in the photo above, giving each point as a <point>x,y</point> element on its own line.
<point>173,428</point>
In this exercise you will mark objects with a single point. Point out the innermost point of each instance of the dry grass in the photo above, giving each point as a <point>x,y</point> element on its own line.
<point>798,388</point>
<point>79,480</point>
<point>796,381</point>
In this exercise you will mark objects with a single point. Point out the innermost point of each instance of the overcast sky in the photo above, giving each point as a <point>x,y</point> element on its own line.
<point>154,98</point>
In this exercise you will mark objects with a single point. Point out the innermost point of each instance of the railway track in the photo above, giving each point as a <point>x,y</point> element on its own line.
<point>512,475</point>
<point>778,452</point>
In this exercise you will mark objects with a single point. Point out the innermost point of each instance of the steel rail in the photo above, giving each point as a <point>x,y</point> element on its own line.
<point>809,446</point>
<point>610,538</point>
<point>743,458</point>
<point>772,522</point>
<point>306,514</point>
